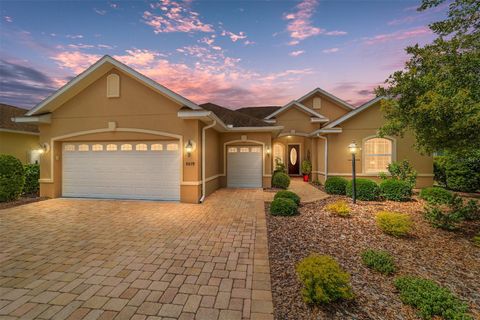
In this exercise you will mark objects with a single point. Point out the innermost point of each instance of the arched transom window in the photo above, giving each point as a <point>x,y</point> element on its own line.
<point>378,153</point>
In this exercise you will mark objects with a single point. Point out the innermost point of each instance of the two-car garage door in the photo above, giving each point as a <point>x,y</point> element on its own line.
<point>122,170</point>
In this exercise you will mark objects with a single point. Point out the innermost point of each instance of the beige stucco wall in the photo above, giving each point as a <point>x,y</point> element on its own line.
<point>364,125</point>
<point>213,164</point>
<point>18,145</point>
<point>138,107</point>
<point>295,119</point>
<point>250,138</point>
<point>330,109</point>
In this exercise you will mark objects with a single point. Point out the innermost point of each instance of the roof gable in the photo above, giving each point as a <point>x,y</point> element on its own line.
<point>353,113</point>
<point>339,101</point>
<point>93,73</point>
<point>298,105</point>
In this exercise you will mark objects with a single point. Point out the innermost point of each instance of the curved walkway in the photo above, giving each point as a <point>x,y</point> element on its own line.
<point>107,259</point>
<point>305,190</point>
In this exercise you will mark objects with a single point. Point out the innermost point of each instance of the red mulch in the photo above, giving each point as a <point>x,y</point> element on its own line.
<point>20,201</point>
<point>449,258</point>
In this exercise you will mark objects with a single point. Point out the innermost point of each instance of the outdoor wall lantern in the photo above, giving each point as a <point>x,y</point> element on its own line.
<point>189,148</point>
<point>44,148</point>
<point>353,148</point>
<point>268,150</point>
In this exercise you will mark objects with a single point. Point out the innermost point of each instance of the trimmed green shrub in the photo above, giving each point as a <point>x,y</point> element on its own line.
<point>323,280</point>
<point>306,167</point>
<point>449,215</point>
<point>336,185</point>
<point>396,190</point>
<point>402,171</point>
<point>379,260</point>
<point>32,174</point>
<point>431,299</point>
<point>393,223</point>
<point>463,172</point>
<point>288,195</point>
<point>367,190</point>
<point>339,208</point>
<point>279,166</point>
<point>440,170</point>
<point>436,195</point>
<point>12,178</point>
<point>283,207</point>
<point>280,180</point>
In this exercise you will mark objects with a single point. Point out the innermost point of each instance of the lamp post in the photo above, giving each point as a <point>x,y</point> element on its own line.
<point>352,147</point>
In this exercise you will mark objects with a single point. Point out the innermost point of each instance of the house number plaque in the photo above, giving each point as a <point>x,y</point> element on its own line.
<point>190,163</point>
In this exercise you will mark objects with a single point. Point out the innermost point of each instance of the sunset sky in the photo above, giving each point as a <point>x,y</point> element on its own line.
<point>233,53</point>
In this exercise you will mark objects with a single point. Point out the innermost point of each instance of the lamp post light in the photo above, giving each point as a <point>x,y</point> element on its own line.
<point>352,147</point>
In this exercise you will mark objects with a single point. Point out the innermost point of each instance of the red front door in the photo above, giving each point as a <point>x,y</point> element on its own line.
<point>293,159</point>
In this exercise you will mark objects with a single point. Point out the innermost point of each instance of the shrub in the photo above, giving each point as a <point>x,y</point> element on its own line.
<point>440,170</point>
<point>367,190</point>
<point>279,166</point>
<point>12,178</point>
<point>402,171</point>
<point>463,172</point>
<point>336,185</point>
<point>32,174</point>
<point>323,280</point>
<point>436,195</point>
<point>306,167</point>
<point>395,224</point>
<point>431,299</point>
<point>288,195</point>
<point>283,207</point>
<point>448,216</point>
<point>396,190</point>
<point>280,180</point>
<point>378,260</point>
<point>339,208</point>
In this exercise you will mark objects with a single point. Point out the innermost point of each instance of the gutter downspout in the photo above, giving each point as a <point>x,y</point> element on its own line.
<point>326,153</point>
<point>204,129</point>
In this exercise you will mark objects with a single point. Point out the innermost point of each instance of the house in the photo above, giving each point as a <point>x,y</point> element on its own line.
<point>18,139</point>
<point>111,132</point>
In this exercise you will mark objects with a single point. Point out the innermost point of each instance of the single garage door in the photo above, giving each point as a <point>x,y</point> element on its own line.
<point>244,166</point>
<point>122,170</point>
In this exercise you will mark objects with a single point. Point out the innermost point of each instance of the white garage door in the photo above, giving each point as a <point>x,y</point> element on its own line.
<point>244,166</point>
<point>122,170</point>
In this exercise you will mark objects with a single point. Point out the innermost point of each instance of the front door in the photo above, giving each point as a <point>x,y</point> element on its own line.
<point>293,159</point>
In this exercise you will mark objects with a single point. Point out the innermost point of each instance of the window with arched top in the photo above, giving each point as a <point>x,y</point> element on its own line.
<point>97,147</point>
<point>111,147</point>
<point>278,153</point>
<point>141,147</point>
<point>113,85</point>
<point>156,147</point>
<point>377,154</point>
<point>83,147</point>
<point>126,147</point>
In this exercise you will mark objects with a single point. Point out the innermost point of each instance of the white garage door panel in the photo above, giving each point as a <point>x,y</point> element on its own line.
<point>153,175</point>
<point>244,169</point>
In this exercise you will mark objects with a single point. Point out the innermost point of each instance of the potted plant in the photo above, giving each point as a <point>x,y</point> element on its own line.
<point>306,169</point>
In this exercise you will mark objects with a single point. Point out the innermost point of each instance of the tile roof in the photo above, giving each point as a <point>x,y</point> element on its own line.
<point>258,112</point>
<point>233,117</point>
<point>7,112</point>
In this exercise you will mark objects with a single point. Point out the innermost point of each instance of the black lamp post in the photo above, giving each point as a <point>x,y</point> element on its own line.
<point>352,147</point>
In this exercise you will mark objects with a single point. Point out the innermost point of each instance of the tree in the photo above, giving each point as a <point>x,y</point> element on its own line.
<point>437,95</point>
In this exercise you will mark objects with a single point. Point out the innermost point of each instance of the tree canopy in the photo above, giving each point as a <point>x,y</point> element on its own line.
<point>437,94</point>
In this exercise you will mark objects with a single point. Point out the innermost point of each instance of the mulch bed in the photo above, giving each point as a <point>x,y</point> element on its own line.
<point>20,201</point>
<point>449,258</point>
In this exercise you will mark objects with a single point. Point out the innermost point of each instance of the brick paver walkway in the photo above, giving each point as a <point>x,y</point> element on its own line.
<point>94,259</point>
<point>306,191</point>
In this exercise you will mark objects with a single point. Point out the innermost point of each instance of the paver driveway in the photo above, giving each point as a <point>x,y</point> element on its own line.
<point>94,259</point>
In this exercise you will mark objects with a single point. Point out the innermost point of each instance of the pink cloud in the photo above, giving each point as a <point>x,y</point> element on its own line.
<point>300,24</point>
<point>234,37</point>
<point>222,81</point>
<point>336,33</point>
<point>174,17</point>
<point>296,53</point>
<point>399,35</point>
<point>331,50</point>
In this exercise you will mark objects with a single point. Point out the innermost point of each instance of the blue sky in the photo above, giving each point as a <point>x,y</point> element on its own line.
<point>234,53</point>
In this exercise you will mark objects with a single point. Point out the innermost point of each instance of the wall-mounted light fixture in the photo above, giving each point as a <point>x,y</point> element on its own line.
<point>44,148</point>
<point>268,150</point>
<point>189,148</point>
